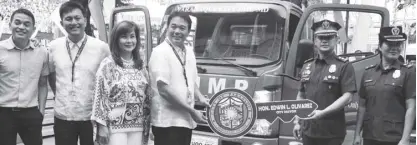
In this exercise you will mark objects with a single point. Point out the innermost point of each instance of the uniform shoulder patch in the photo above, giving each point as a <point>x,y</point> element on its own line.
<point>308,60</point>
<point>342,59</point>
<point>371,66</point>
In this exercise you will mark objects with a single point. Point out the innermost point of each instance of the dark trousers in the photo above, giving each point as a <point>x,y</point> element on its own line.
<point>171,135</point>
<point>68,132</point>
<point>322,141</point>
<point>27,122</point>
<point>374,142</point>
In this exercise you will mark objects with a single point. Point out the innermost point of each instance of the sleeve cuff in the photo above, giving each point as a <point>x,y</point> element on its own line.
<point>51,69</point>
<point>99,121</point>
<point>302,88</point>
<point>45,73</point>
<point>162,79</point>
<point>412,96</point>
<point>351,90</point>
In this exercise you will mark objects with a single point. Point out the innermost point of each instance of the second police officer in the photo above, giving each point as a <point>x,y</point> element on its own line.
<point>329,81</point>
<point>387,95</point>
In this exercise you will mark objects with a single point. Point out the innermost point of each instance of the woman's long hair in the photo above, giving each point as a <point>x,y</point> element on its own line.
<point>121,28</point>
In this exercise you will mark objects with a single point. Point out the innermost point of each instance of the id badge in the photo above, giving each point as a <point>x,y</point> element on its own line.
<point>72,93</point>
<point>189,97</point>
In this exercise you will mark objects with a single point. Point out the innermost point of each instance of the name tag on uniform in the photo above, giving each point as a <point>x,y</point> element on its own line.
<point>367,81</point>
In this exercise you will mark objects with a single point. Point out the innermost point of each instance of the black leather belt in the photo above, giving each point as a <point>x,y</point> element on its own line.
<point>16,109</point>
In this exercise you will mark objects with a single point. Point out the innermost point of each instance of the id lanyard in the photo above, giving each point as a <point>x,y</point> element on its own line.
<point>76,57</point>
<point>182,63</point>
<point>183,66</point>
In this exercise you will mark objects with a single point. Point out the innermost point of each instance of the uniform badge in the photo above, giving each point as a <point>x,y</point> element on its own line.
<point>395,31</point>
<point>332,68</point>
<point>396,74</point>
<point>326,24</point>
<point>72,93</point>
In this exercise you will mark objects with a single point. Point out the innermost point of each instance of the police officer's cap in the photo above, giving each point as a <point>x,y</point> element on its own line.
<point>325,28</point>
<point>392,34</point>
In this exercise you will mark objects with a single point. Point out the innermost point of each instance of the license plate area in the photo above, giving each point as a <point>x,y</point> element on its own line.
<point>224,142</point>
<point>203,140</point>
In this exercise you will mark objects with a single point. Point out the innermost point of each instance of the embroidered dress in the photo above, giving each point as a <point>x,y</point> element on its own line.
<point>121,100</point>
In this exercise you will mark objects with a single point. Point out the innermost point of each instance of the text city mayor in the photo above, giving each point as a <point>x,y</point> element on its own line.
<point>286,107</point>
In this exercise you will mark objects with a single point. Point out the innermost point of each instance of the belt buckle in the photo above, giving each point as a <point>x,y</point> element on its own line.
<point>14,109</point>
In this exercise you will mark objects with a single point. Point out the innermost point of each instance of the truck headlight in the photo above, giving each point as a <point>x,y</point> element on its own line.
<point>262,126</point>
<point>262,96</point>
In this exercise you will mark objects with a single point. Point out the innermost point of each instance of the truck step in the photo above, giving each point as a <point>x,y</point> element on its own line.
<point>48,118</point>
<point>50,103</point>
<point>48,131</point>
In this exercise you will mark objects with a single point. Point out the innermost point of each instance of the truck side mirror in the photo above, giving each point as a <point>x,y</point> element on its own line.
<point>305,51</point>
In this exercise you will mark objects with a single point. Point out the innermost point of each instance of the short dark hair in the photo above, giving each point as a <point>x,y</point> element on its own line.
<point>184,16</point>
<point>69,6</point>
<point>123,28</point>
<point>380,41</point>
<point>25,12</point>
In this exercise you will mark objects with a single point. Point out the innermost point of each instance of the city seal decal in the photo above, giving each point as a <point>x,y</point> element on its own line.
<point>232,113</point>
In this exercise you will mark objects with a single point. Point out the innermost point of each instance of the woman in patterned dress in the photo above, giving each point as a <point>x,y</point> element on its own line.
<point>121,102</point>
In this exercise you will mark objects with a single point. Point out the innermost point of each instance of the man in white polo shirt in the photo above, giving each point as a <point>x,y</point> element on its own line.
<point>74,61</point>
<point>23,83</point>
<point>173,74</point>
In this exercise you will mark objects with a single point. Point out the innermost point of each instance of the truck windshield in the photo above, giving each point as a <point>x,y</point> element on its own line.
<point>247,35</point>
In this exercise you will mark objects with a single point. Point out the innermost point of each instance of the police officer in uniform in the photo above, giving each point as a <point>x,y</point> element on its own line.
<point>329,81</point>
<point>387,95</point>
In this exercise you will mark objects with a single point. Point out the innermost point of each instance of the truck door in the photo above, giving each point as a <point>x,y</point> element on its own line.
<point>139,15</point>
<point>358,41</point>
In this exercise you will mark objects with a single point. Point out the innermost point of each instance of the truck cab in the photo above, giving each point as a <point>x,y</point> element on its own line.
<point>239,44</point>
